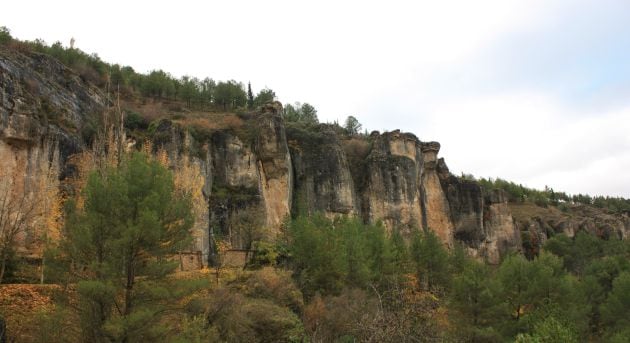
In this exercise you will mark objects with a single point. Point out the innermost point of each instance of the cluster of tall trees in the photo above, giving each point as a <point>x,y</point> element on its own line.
<point>300,113</point>
<point>203,93</point>
<point>519,193</point>
<point>575,288</point>
<point>196,93</point>
<point>358,281</point>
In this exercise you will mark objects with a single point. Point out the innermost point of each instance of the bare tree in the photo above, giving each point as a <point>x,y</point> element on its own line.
<point>30,204</point>
<point>17,210</point>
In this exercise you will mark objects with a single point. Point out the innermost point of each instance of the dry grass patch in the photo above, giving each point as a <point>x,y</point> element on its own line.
<point>23,306</point>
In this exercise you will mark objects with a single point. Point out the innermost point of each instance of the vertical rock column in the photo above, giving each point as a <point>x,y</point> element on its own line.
<point>435,205</point>
<point>394,169</point>
<point>274,165</point>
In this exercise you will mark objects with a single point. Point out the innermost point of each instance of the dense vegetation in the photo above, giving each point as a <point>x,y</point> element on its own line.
<point>115,250</point>
<point>342,281</point>
<point>193,92</point>
<point>519,194</point>
<point>572,289</point>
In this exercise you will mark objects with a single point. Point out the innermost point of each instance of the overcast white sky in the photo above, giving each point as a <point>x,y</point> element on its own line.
<point>533,91</point>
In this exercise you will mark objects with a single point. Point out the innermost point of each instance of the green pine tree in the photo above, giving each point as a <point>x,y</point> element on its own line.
<point>118,247</point>
<point>475,303</point>
<point>431,261</point>
<point>250,96</point>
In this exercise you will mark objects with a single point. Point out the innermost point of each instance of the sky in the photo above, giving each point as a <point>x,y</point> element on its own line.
<point>532,91</point>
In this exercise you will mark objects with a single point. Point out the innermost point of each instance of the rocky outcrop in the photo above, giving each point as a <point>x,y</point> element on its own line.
<point>466,205</point>
<point>247,177</point>
<point>393,181</point>
<point>323,181</point>
<point>435,204</point>
<point>45,109</point>
<point>482,222</point>
<point>178,145</point>
<point>274,165</point>
<point>537,224</point>
<point>39,96</point>
<point>43,101</point>
<point>500,233</point>
<point>256,171</point>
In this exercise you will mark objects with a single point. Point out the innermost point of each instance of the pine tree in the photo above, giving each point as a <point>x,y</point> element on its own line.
<point>475,302</point>
<point>431,261</point>
<point>118,249</point>
<point>250,96</point>
<point>616,309</point>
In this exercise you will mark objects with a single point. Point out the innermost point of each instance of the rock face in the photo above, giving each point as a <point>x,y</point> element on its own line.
<point>256,173</point>
<point>501,235</point>
<point>247,179</point>
<point>484,224</point>
<point>536,224</point>
<point>41,100</point>
<point>323,182</point>
<point>44,109</point>
<point>274,164</point>
<point>436,206</point>
<point>394,177</point>
<point>177,144</point>
<point>466,204</point>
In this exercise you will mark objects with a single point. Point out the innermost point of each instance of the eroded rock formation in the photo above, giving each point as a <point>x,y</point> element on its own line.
<point>255,174</point>
<point>45,109</point>
<point>323,181</point>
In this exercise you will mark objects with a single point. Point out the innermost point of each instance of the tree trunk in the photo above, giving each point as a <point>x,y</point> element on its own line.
<point>129,289</point>
<point>2,268</point>
<point>41,275</point>
<point>128,294</point>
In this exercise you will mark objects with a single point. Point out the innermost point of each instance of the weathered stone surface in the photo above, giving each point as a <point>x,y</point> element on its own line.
<point>394,176</point>
<point>484,224</point>
<point>323,182</point>
<point>274,165</point>
<point>266,170</point>
<point>44,108</point>
<point>537,224</point>
<point>501,235</point>
<point>38,95</point>
<point>466,205</point>
<point>435,203</point>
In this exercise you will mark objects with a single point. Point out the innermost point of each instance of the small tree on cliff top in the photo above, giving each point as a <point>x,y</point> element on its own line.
<point>118,245</point>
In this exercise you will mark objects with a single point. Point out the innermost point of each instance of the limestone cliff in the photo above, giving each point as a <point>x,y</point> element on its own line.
<point>483,223</point>
<point>536,224</point>
<point>247,176</point>
<point>323,181</point>
<point>44,110</point>
<point>501,235</point>
<point>393,181</point>
<point>436,206</point>
<point>274,163</point>
<point>257,170</point>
